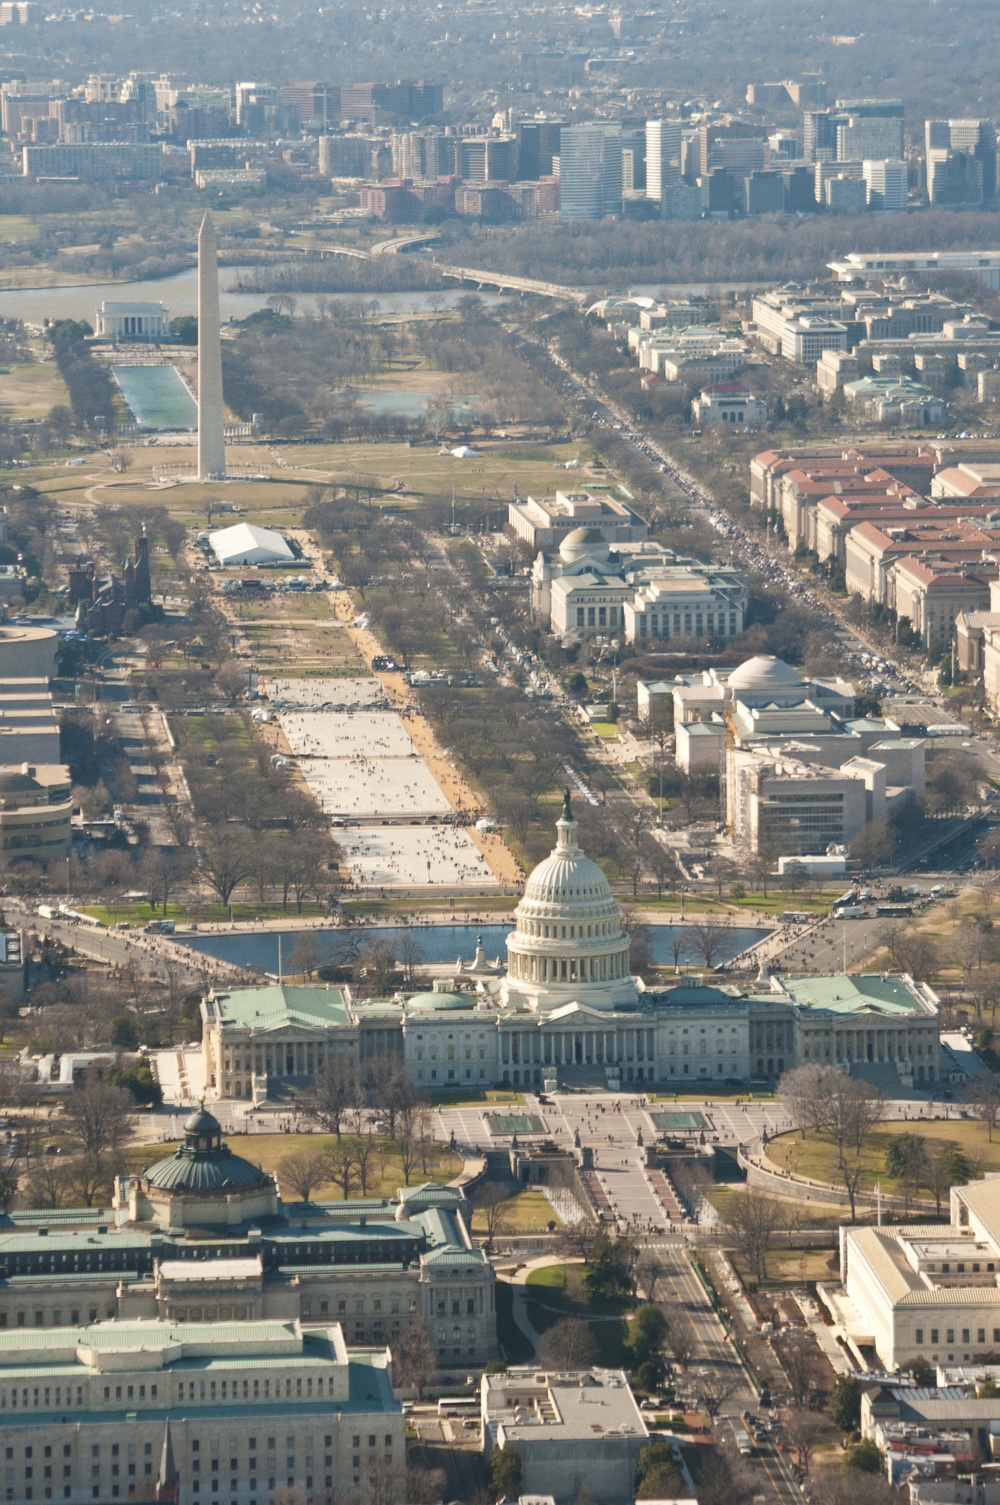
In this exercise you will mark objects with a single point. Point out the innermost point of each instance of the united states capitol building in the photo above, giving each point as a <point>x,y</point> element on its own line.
<point>568,1010</point>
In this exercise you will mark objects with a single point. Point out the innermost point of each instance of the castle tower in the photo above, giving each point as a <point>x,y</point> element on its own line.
<point>211,443</point>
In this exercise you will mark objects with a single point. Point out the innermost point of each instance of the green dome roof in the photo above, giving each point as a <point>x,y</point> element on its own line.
<point>204,1171</point>
<point>203,1163</point>
<point>202,1122</point>
<point>439,1003</point>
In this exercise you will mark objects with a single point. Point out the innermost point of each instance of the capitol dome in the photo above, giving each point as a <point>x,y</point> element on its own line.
<point>583,543</point>
<point>569,943</point>
<point>765,672</point>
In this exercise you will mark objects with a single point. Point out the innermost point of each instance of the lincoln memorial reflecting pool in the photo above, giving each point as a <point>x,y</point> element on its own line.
<point>436,944</point>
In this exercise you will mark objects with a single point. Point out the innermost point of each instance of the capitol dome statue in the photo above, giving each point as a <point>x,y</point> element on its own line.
<point>569,945</point>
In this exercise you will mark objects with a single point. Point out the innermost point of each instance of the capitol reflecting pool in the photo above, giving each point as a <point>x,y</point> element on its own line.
<point>437,944</point>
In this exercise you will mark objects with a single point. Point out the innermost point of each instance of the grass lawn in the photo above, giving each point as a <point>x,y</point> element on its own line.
<point>268,1150</point>
<point>816,1155</point>
<point>30,389</point>
<point>463,1100</point>
<point>557,1291</point>
<point>515,1345</point>
<point>526,1212</point>
<point>138,914</point>
<point>794,1267</point>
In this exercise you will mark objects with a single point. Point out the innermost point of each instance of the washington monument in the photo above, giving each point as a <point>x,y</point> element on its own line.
<point>211,443</point>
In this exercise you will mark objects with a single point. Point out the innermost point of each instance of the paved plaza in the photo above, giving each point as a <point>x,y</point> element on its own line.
<point>316,694</point>
<point>361,765</point>
<point>369,788</point>
<point>371,735</point>
<point>404,856</point>
<point>611,1124</point>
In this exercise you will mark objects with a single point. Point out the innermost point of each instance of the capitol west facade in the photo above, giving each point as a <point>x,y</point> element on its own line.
<point>568,1009</point>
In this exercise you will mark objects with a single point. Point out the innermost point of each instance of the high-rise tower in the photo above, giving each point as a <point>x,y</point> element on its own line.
<point>211,441</point>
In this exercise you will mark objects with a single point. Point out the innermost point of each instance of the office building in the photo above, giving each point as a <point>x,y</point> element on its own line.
<point>633,150</point>
<point>886,184</point>
<point>729,402</point>
<point>537,145</point>
<point>206,1411</point>
<point>36,806</point>
<point>572,1430</point>
<point>954,179</point>
<point>926,1291</point>
<point>969,139</point>
<point>487,159</point>
<point>643,592</point>
<point>663,156</point>
<point>861,137</point>
<point>590,171</point>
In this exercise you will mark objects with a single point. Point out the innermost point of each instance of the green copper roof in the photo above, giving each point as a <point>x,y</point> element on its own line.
<point>850,995</point>
<point>265,1008</point>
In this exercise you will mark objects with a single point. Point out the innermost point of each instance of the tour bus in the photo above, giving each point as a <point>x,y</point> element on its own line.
<point>796,917</point>
<point>459,1405</point>
<point>894,911</point>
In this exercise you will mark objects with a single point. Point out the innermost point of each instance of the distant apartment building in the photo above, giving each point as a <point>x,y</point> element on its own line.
<point>347,156</point>
<point>94,162</point>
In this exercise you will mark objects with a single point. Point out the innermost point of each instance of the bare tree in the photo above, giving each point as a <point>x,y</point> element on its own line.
<point>715,1389</point>
<point>492,1201</point>
<point>752,1222</point>
<point>983,1097</point>
<point>225,861</point>
<point>577,1239</point>
<point>383,1481</point>
<point>342,1162</point>
<point>366,1149</point>
<point>333,1093</point>
<point>304,1172</point>
<point>99,1117</point>
<point>709,940</point>
<point>804,1429</point>
<point>414,1361</point>
<point>679,1341</point>
<point>798,1356</point>
<point>307,954</point>
<point>801,1091</point>
<point>568,1344</point>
